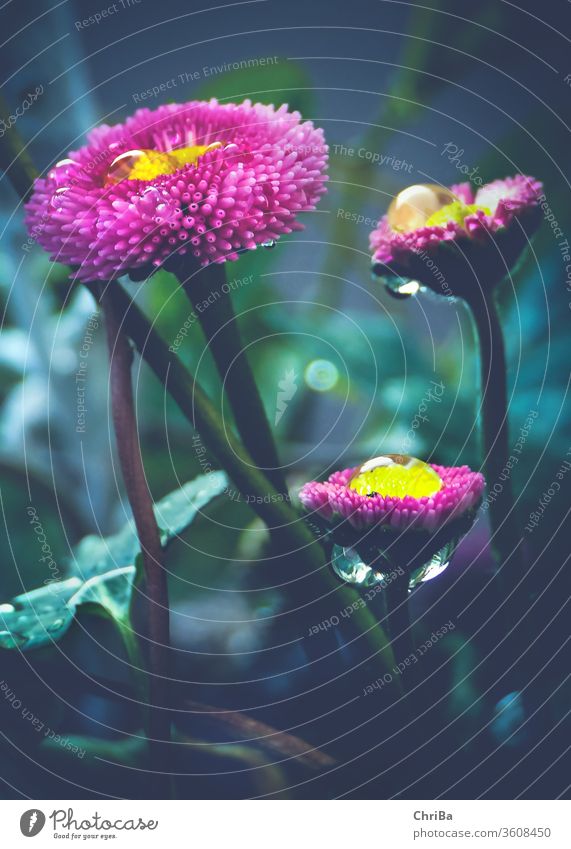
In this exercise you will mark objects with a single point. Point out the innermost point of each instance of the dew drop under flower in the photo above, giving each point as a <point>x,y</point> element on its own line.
<point>455,240</point>
<point>201,179</point>
<point>394,511</point>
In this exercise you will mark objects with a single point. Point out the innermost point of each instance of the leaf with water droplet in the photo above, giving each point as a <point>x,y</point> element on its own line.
<point>102,572</point>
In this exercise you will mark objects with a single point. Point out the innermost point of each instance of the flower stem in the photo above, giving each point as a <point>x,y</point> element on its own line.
<point>211,299</point>
<point>270,505</point>
<point>293,534</point>
<point>125,423</point>
<point>398,618</point>
<point>506,534</point>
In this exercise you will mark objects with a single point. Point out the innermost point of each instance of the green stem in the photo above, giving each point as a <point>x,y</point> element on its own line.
<point>506,533</point>
<point>125,422</point>
<point>376,636</point>
<point>398,618</point>
<point>135,658</point>
<point>304,555</point>
<point>197,408</point>
<point>207,290</point>
<point>270,505</point>
<point>292,532</point>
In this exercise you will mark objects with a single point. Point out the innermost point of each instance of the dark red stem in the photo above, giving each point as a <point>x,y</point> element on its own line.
<point>126,432</point>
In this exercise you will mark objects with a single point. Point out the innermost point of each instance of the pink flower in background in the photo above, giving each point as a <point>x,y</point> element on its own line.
<point>201,178</point>
<point>442,237</point>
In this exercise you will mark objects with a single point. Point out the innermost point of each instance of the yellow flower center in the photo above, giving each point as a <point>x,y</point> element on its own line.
<point>456,211</point>
<point>147,164</point>
<point>396,475</point>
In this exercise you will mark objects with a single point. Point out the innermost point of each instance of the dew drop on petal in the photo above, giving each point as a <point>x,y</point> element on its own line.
<point>321,375</point>
<point>151,193</point>
<point>269,244</point>
<point>56,200</point>
<point>412,207</point>
<point>61,167</point>
<point>62,171</point>
<point>122,165</point>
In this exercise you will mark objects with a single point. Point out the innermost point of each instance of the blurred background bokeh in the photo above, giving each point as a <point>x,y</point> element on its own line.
<point>406,93</point>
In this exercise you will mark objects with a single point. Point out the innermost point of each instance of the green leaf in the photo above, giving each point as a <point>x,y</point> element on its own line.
<point>102,572</point>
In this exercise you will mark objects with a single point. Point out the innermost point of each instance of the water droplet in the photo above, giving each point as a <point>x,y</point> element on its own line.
<point>401,290</point>
<point>508,725</point>
<point>11,639</point>
<point>348,565</point>
<point>7,608</point>
<point>395,475</point>
<point>351,568</point>
<point>412,207</point>
<point>55,625</point>
<point>321,375</point>
<point>269,244</point>
<point>122,165</point>
<point>61,169</point>
<point>435,566</point>
<point>56,201</point>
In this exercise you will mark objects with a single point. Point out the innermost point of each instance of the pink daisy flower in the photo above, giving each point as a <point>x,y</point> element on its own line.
<point>408,512</point>
<point>442,238</point>
<point>201,178</point>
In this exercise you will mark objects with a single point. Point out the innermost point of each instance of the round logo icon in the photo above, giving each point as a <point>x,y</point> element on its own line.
<point>32,822</point>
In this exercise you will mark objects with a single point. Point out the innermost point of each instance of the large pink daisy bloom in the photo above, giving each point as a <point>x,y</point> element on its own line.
<point>201,178</point>
<point>443,238</point>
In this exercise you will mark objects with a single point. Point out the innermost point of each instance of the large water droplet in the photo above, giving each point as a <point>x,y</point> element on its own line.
<point>122,166</point>
<point>321,375</point>
<point>395,475</point>
<point>401,289</point>
<point>412,207</point>
<point>348,565</point>
<point>269,244</point>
